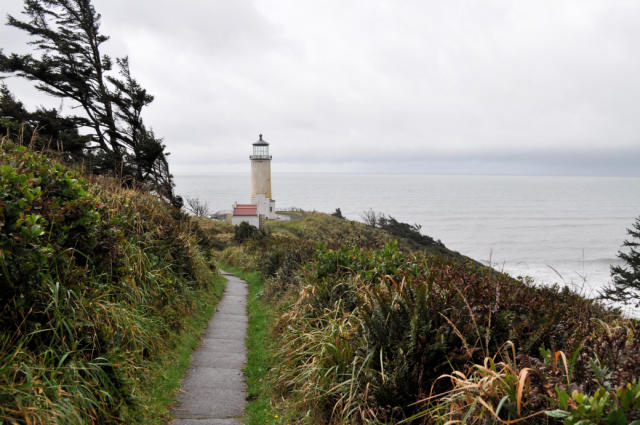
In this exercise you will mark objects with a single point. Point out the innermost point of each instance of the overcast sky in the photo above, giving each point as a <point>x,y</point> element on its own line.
<point>398,86</point>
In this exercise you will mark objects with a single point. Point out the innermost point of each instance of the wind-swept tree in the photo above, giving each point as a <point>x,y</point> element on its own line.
<point>625,285</point>
<point>70,65</point>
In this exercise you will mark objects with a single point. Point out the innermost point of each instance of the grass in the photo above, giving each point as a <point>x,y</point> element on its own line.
<point>165,374</point>
<point>258,411</point>
<point>336,232</point>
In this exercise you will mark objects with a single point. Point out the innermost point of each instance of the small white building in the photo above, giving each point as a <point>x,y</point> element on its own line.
<point>262,206</point>
<point>245,212</point>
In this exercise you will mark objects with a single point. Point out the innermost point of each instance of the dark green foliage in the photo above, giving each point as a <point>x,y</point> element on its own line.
<point>626,278</point>
<point>50,227</point>
<point>398,229</point>
<point>283,258</point>
<point>71,66</point>
<point>93,281</point>
<point>245,231</point>
<point>406,335</point>
<point>280,257</point>
<point>605,407</point>
<point>43,129</point>
<point>207,238</point>
<point>337,213</point>
<point>405,230</point>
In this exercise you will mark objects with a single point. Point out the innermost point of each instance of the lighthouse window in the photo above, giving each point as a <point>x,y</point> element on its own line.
<point>261,150</point>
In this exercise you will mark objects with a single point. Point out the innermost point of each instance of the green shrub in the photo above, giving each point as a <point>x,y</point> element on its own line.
<point>50,228</point>
<point>604,407</point>
<point>245,231</point>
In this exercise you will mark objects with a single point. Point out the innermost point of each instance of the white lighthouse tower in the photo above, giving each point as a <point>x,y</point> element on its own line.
<point>262,207</point>
<point>261,179</point>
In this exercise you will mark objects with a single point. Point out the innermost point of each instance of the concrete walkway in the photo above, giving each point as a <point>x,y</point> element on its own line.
<point>213,390</point>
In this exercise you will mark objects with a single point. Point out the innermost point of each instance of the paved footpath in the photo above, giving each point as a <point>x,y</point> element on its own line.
<point>213,390</point>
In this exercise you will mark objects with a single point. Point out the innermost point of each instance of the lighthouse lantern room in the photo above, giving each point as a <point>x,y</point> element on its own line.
<point>260,150</point>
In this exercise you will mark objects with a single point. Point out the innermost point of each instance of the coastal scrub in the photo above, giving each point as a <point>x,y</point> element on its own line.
<point>96,283</point>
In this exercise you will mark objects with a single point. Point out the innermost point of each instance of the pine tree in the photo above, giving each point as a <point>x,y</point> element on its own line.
<point>43,128</point>
<point>337,213</point>
<point>625,285</point>
<point>72,66</point>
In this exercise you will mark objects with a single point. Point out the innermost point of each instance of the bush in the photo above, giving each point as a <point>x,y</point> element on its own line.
<point>245,231</point>
<point>51,231</point>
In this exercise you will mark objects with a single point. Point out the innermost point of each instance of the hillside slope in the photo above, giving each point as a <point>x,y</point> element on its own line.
<point>96,282</point>
<point>368,328</point>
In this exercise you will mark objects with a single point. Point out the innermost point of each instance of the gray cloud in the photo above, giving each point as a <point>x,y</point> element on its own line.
<point>533,87</point>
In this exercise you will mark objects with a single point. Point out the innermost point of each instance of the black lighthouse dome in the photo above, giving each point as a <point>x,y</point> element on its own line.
<point>261,142</point>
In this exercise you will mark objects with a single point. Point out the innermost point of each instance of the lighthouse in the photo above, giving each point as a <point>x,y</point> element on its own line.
<point>262,206</point>
<point>260,170</point>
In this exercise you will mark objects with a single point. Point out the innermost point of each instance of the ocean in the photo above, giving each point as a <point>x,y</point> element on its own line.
<point>564,230</point>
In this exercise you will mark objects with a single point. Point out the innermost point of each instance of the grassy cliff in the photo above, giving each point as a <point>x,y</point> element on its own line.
<point>98,286</point>
<point>369,326</point>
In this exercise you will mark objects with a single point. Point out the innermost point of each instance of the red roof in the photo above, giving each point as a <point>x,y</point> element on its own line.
<point>245,209</point>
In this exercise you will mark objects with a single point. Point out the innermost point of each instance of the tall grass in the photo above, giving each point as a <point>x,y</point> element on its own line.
<point>96,282</point>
